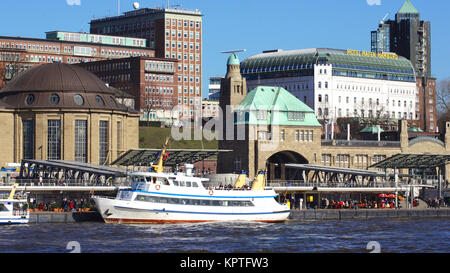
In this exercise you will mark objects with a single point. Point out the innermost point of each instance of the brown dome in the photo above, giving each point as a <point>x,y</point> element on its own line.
<point>59,85</point>
<point>57,77</point>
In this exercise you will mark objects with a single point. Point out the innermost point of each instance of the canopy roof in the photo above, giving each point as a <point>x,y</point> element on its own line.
<point>371,129</point>
<point>144,157</point>
<point>413,161</point>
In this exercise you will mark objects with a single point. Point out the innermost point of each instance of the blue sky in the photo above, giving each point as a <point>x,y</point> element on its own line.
<point>254,25</point>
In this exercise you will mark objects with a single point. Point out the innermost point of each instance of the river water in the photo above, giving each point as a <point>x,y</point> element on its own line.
<point>390,235</point>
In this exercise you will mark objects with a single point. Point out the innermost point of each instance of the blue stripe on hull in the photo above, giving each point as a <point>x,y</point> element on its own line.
<point>200,212</point>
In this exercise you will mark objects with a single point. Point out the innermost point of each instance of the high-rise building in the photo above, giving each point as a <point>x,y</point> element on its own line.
<point>172,33</point>
<point>410,37</point>
<point>406,36</point>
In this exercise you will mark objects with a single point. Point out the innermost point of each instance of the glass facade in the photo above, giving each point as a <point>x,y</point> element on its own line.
<point>54,140</point>
<point>28,139</point>
<point>103,141</point>
<point>81,140</point>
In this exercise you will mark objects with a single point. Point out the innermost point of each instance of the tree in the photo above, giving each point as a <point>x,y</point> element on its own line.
<point>443,103</point>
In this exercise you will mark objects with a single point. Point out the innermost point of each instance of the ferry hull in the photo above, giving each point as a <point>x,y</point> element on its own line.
<point>8,221</point>
<point>125,212</point>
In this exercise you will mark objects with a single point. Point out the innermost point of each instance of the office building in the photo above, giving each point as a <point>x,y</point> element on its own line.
<point>410,37</point>
<point>214,88</point>
<point>18,54</point>
<point>153,82</point>
<point>171,33</point>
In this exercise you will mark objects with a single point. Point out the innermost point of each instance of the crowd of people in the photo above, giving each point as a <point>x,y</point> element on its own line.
<point>353,204</point>
<point>65,205</point>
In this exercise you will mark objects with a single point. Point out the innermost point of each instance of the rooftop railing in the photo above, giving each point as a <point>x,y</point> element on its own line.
<point>361,143</point>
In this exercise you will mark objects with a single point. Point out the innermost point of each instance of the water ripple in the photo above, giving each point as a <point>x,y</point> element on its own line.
<point>408,235</point>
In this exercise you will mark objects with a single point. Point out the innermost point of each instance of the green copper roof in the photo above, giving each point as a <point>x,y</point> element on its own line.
<point>233,59</point>
<point>408,8</point>
<point>371,129</point>
<point>301,62</point>
<point>280,107</point>
<point>415,129</point>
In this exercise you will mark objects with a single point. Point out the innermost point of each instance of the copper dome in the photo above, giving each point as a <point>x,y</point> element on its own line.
<point>59,85</point>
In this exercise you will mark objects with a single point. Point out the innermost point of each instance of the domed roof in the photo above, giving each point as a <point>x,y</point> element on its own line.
<point>59,85</point>
<point>57,77</point>
<point>233,60</point>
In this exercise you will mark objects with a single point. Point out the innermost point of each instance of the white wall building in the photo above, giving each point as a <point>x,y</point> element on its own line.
<point>339,83</point>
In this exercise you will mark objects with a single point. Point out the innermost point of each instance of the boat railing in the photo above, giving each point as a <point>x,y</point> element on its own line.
<point>20,212</point>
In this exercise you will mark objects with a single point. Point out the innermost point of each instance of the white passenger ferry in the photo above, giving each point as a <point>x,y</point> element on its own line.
<point>159,197</point>
<point>13,211</point>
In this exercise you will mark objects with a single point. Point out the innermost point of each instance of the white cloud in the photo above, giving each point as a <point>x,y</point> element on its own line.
<point>73,2</point>
<point>373,2</point>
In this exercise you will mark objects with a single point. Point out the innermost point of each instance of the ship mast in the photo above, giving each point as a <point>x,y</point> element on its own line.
<point>159,168</point>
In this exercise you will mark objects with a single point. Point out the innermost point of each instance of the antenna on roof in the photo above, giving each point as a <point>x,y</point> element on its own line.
<point>234,51</point>
<point>384,18</point>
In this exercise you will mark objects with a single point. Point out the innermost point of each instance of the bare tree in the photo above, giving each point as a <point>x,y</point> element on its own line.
<point>443,97</point>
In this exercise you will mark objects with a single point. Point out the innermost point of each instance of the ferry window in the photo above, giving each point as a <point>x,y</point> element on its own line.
<point>165,182</point>
<point>154,180</point>
<point>195,202</point>
<point>163,200</point>
<point>188,183</point>
<point>174,201</point>
<point>215,202</point>
<point>204,202</point>
<point>194,184</point>
<point>3,208</point>
<point>175,183</point>
<point>182,183</point>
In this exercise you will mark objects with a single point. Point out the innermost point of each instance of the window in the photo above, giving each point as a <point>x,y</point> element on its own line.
<point>28,139</point>
<point>54,139</point>
<point>30,99</point>
<point>54,99</point>
<point>103,141</point>
<point>81,140</point>
<point>78,99</point>
<point>282,135</point>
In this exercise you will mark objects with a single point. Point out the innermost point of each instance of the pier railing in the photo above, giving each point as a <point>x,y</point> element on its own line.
<point>361,143</point>
<point>349,184</point>
<point>63,183</point>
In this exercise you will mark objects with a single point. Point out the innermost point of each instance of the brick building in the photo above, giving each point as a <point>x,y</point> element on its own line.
<point>18,54</point>
<point>152,81</point>
<point>171,33</point>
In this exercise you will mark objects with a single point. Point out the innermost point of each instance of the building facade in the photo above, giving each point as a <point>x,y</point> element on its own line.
<point>410,37</point>
<point>171,33</point>
<point>339,83</point>
<point>152,81</point>
<point>271,128</point>
<point>18,54</point>
<point>62,112</point>
<point>214,88</point>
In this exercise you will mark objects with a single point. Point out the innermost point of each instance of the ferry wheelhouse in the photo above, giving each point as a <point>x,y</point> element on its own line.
<point>162,197</point>
<point>12,210</point>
